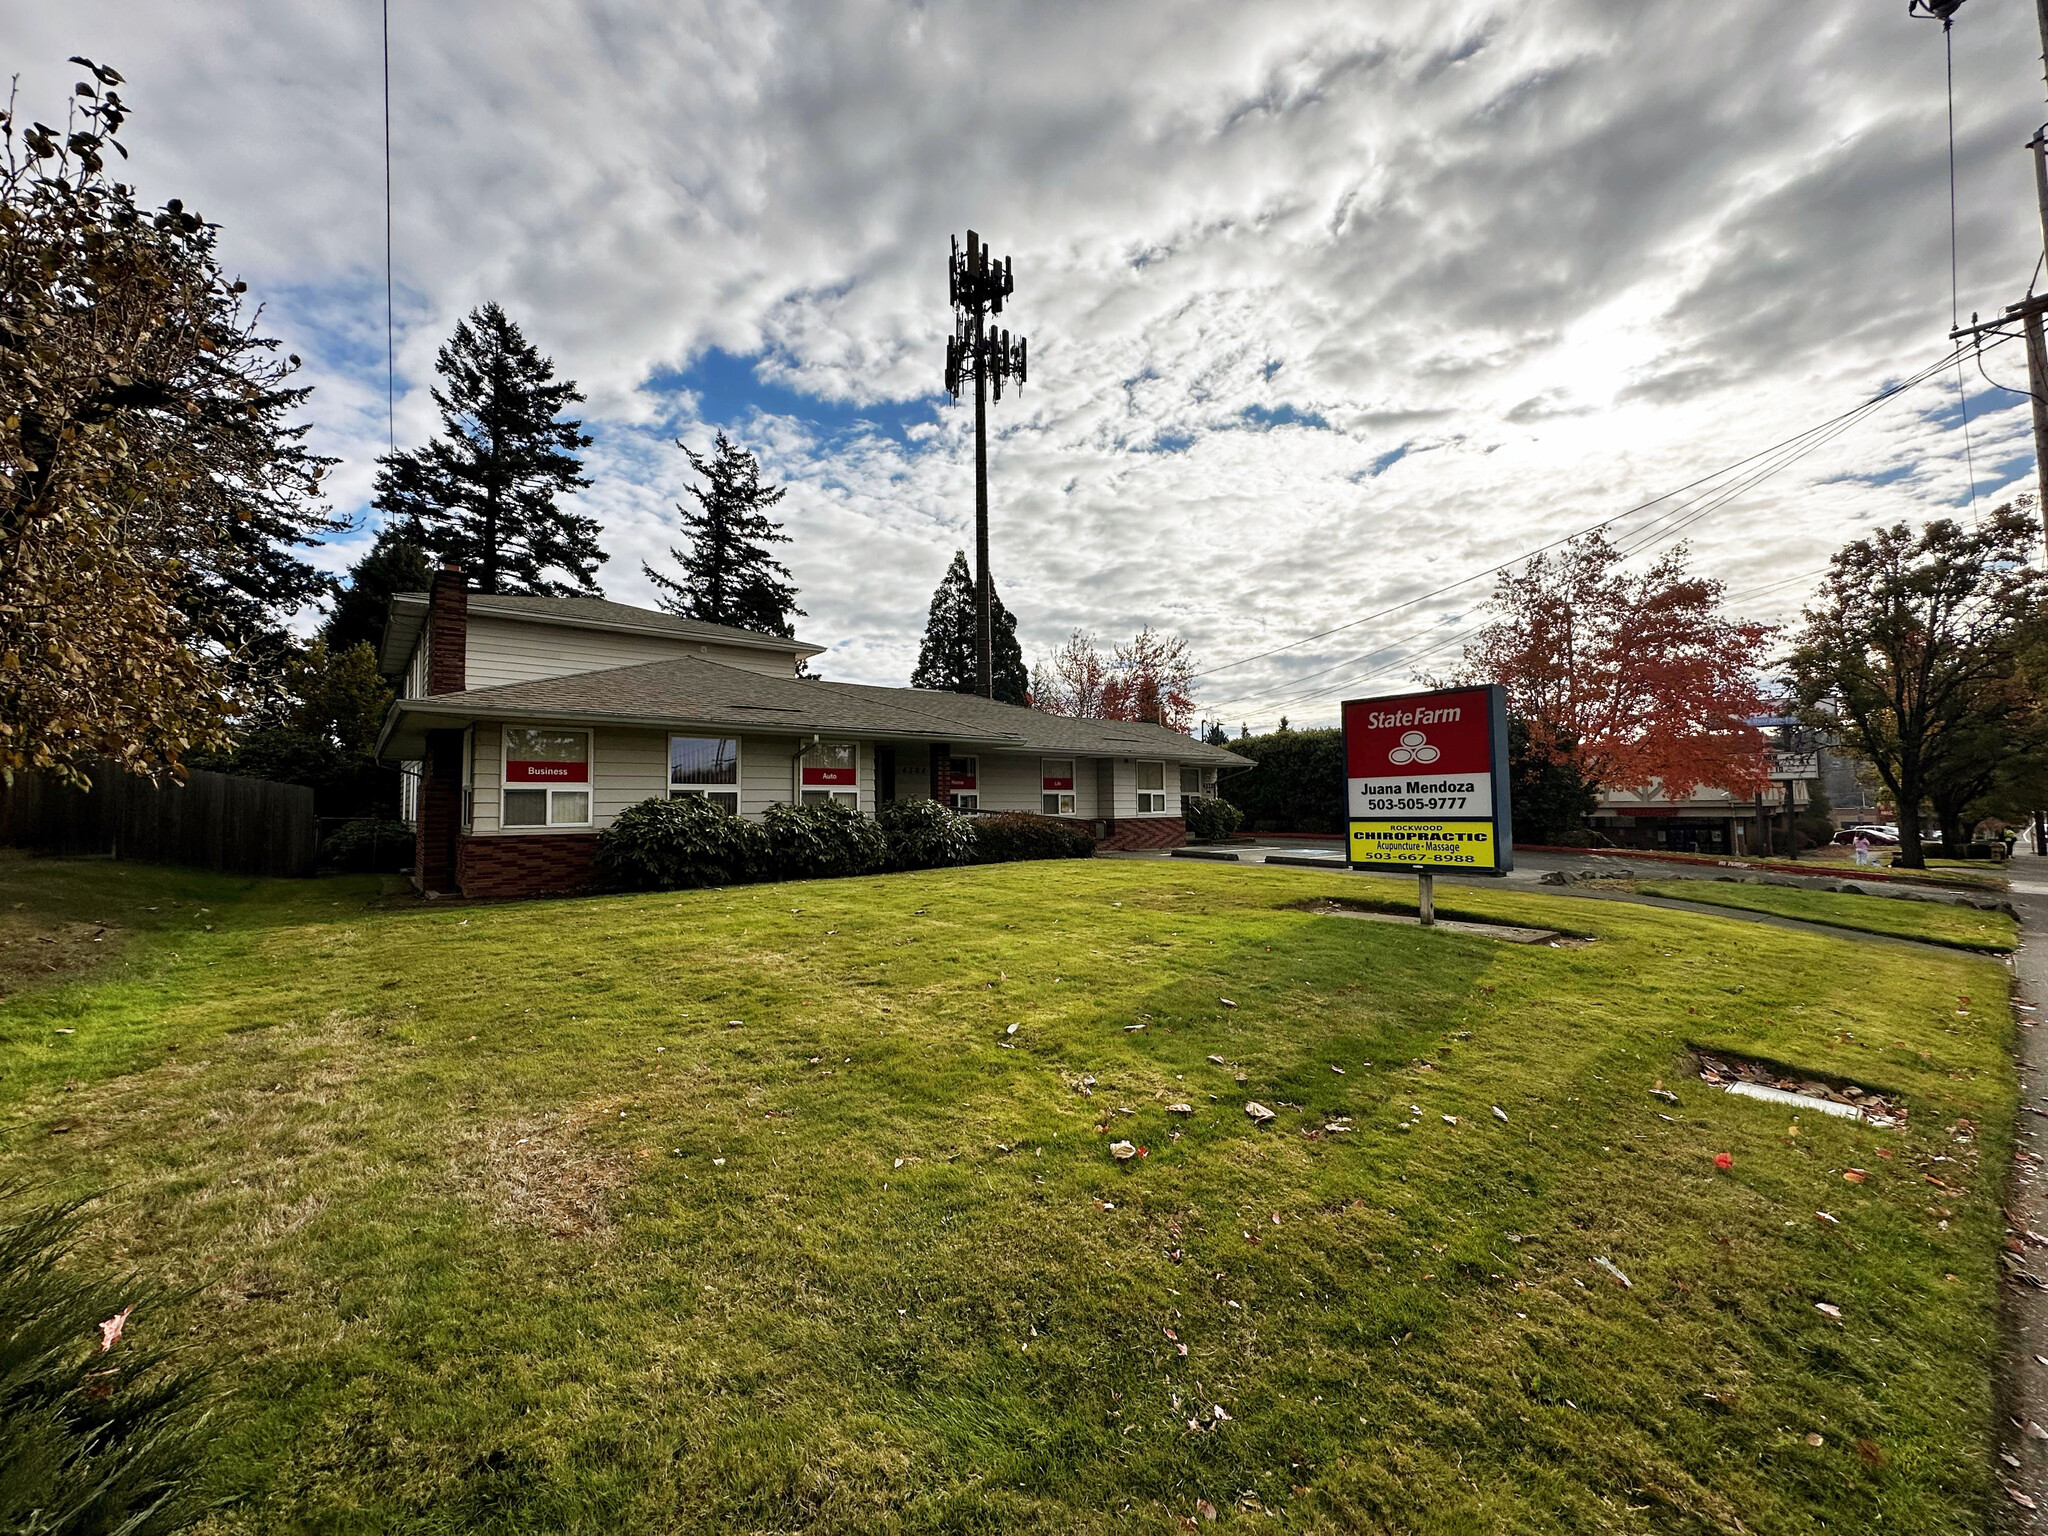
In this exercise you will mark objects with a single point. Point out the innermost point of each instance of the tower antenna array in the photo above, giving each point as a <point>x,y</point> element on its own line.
<point>976,285</point>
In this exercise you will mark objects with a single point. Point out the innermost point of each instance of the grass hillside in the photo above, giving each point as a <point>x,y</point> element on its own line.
<point>1931,922</point>
<point>749,1210</point>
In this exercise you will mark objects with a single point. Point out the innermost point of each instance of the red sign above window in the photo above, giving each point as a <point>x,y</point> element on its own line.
<point>847,777</point>
<point>1053,783</point>
<point>517,772</point>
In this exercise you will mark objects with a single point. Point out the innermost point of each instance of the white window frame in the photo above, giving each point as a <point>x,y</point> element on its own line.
<point>1151,802</point>
<point>587,789</point>
<point>1058,802</point>
<point>715,793</point>
<point>971,801</point>
<point>828,794</point>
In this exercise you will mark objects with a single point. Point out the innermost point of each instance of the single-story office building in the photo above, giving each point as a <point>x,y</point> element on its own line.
<point>526,724</point>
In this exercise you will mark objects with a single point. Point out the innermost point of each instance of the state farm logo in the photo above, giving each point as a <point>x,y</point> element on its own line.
<point>1414,748</point>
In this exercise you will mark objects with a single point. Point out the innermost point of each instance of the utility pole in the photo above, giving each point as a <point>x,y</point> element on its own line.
<point>2028,312</point>
<point>976,286</point>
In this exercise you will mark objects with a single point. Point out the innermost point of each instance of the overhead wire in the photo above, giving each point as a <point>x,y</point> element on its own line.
<point>1889,392</point>
<point>1659,529</point>
<point>390,322</point>
<point>1955,311</point>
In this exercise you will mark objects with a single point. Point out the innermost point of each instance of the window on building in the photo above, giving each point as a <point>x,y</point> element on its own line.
<point>1190,781</point>
<point>547,778</point>
<point>1151,789</point>
<point>964,773</point>
<point>705,768</point>
<point>831,774</point>
<point>1057,786</point>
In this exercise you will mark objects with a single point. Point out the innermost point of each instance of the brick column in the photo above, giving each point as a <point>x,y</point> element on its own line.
<point>440,813</point>
<point>448,632</point>
<point>942,772</point>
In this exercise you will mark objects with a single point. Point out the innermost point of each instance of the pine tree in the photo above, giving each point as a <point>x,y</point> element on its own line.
<point>949,657</point>
<point>396,563</point>
<point>485,491</point>
<point>728,575</point>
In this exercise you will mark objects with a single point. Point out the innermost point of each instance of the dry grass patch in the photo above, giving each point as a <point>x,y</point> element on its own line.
<point>539,1171</point>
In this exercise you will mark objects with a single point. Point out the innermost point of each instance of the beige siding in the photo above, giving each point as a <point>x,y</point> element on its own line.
<point>1013,781</point>
<point>501,651</point>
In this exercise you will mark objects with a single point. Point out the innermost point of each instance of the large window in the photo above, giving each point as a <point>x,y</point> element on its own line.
<point>547,778</point>
<point>831,774</point>
<point>1190,781</point>
<point>1057,785</point>
<point>705,768</point>
<point>964,774</point>
<point>1151,789</point>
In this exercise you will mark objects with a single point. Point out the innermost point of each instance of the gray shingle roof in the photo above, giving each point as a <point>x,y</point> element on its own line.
<point>409,611</point>
<point>691,691</point>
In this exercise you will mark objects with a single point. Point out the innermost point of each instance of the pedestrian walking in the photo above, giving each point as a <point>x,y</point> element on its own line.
<point>1862,846</point>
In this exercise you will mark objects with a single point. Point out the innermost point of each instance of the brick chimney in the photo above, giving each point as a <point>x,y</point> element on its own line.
<point>448,632</point>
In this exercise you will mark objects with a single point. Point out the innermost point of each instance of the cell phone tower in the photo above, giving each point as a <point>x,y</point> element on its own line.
<point>976,285</point>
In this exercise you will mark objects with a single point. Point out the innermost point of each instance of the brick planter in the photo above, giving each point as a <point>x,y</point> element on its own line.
<point>538,864</point>
<point>1130,833</point>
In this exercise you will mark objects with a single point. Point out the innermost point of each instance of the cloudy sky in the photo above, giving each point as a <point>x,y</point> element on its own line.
<point>1330,305</point>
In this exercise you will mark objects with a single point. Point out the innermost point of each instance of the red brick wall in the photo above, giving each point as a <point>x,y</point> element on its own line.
<point>440,813</point>
<point>1128,833</point>
<point>448,632</point>
<point>533,864</point>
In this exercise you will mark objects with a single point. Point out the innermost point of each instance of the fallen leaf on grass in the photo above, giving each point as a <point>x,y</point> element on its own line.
<point>1218,1061</point>
<point>1828,1309</point>
<point>1611,1268</point>
<point>1205,1509</point>
<point>1259,1113</point>
<point>1226,1002</point>
<point>1723,1161</point>
<point>110,1330</point>
<point>1869,1453</point>
<point>1814,1439</point>
<point>2020,1499</point>
<point>1854,1175</point>
<point>1122,1151</point>
<point>1500,1114</point>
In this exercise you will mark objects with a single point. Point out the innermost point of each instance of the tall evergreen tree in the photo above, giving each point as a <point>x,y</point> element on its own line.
<point>728,575</point>
<point>485,491</point>
<point>949,657</point>
<point>396,562</point>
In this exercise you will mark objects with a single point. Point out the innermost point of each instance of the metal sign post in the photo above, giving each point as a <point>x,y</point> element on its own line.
<point>1426,785</point>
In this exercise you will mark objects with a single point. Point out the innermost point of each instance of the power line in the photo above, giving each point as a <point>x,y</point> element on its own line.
<point>1769,462</point>
<point>1857,410</point>
<point>390,324</point>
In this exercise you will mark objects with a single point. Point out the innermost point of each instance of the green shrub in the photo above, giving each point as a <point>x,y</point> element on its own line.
<point>92,1440</point>
<point>1210,820</point>
<point>1015,835</point>
<point>923,834</point>
<point>666,845</point>
<point>373,847</point>
<point>821,842</point>
<point>1298,785</point>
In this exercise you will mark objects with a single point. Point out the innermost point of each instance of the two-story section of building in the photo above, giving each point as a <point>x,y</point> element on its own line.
<point>526,724</point>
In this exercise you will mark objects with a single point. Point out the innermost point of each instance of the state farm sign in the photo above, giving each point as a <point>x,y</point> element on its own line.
<point>1426,780</point>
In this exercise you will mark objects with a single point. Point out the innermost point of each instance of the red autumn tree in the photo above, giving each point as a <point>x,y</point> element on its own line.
<point>1630,677</point>
<point>1151,677</point>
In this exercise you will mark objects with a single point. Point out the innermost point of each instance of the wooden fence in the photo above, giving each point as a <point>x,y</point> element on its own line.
<point>215,821</point>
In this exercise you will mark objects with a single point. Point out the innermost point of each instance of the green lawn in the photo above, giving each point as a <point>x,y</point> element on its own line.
<point>1960,927</point>
<point>744,1211</point>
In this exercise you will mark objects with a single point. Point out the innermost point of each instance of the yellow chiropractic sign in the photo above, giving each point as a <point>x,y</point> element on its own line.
<point>1424,844</point>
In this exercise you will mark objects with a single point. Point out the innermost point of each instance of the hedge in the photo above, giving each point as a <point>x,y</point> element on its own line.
<point>666,845</point>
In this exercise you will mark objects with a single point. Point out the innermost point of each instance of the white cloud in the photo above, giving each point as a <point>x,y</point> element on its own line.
<point>1492,272</point>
